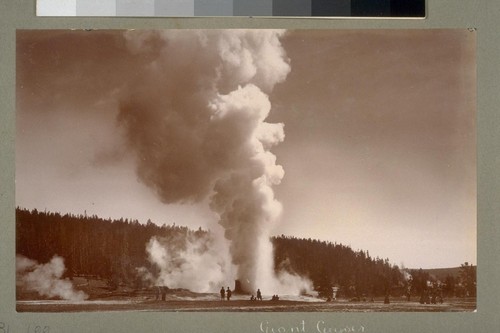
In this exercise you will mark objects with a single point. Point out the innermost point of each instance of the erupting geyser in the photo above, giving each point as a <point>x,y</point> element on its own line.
<point>196,120</point>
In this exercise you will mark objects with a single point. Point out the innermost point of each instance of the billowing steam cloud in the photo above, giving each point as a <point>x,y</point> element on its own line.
<point>46,280</point>
<point>196,120</point>
<point>193,262</point>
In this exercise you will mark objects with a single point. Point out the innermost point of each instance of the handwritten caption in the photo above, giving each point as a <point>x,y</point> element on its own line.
<point>319,326</point>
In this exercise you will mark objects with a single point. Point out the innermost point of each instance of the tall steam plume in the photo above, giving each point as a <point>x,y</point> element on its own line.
<point>196,120</point>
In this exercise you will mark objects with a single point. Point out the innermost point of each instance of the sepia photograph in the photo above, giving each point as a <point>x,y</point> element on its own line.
<point>247,170</point>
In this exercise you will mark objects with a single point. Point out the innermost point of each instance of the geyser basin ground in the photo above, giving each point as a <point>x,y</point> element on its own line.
<point>211,303</point>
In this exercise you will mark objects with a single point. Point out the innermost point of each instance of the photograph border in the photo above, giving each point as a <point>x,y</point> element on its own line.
<point>442,14</point>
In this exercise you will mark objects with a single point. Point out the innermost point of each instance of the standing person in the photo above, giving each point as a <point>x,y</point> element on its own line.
<point>157,293</point>
<point>228,293</point>
<point>163,292</point>
<point>222,294</point>
<point>259,295</point>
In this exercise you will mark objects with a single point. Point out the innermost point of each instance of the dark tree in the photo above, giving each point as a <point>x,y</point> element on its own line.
<point>468,278</point>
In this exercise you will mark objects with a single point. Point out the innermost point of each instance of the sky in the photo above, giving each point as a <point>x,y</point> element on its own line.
<point>379,149</point>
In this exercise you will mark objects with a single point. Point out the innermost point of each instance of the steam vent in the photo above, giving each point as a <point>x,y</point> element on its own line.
<point>237,287</point>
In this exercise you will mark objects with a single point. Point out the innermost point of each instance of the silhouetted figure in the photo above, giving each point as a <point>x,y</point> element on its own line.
<point>157,293</point>
<point>222,294</point>
<point>424,299</point>
<point>252,298</point>
<point>440,296</point>
<point>228,293</point>
<point>163,293</point>
<point>259,295</point>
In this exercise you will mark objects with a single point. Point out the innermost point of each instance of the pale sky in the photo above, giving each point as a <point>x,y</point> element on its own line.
<point>379,150</point>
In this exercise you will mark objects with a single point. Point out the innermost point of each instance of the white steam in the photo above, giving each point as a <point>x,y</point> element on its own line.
<point>196,120</point>
<point>45,279</point>
<point>193,263</point>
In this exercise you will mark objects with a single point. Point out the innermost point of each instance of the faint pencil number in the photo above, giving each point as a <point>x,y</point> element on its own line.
<point>42,329</point>
<point>38,329</point>
<point>4,328</point>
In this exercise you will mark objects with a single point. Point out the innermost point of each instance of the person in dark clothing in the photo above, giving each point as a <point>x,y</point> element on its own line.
<point>228,293</point>
<point>157,293</point>
<point>163,292</point>
<point>259,295</point>
<point>222,294</point>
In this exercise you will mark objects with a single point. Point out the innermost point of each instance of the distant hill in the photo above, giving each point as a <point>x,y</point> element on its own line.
<point>442,273</point>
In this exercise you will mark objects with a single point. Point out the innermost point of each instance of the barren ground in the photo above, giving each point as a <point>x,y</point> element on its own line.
<point>123,299</point>
<point>242,305</point>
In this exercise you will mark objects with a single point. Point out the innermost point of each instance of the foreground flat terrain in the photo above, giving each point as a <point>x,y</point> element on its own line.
<point>241,305</point>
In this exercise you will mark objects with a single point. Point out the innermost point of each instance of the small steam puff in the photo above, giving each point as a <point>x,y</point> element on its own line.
<point>196,121</point>
<point>46,280</point>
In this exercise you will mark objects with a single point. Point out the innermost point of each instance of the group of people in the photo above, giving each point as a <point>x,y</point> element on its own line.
<point>259,296</point>
<point>160,290</point>
<point>431,297</point>
<point>225,294</point>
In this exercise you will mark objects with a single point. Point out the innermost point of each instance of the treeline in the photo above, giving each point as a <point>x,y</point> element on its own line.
<point>461,284</point>
<point>106,248</point>
<point>354,274</point>
<point>113,249</point>
<point>329,265</point>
